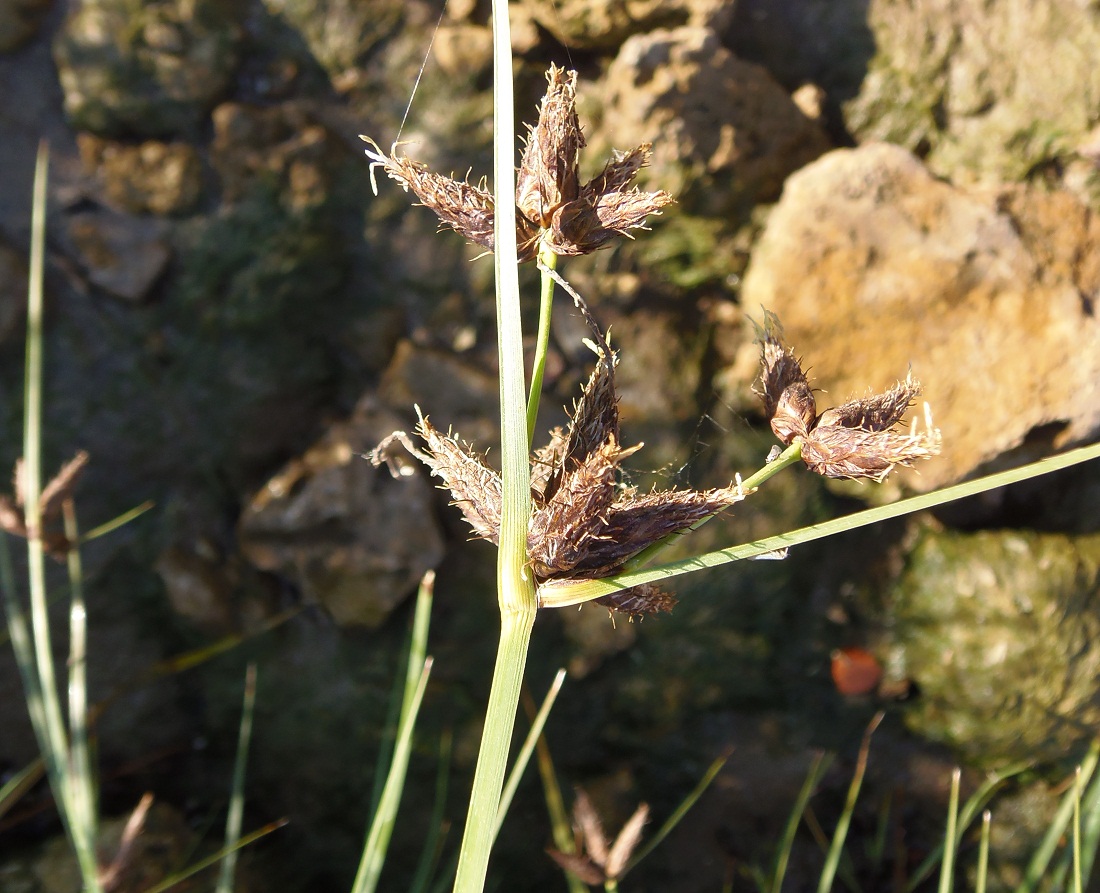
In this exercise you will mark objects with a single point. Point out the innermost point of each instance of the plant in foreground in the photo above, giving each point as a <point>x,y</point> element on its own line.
<point>559,515</point>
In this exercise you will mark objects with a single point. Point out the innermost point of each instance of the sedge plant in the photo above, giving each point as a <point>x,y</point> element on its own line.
<point>566,533</point>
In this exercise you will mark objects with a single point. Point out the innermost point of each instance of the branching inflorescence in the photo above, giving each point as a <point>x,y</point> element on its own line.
<point>554,210</point>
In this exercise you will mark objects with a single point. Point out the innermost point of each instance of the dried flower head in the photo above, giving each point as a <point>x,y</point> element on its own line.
<point>855,440</point>
<point>554,209</point>
<point>584,524</point>
<point>13,518</point>
<point>595,860</point>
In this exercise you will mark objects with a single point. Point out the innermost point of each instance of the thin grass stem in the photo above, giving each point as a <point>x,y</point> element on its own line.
<point>524,755</point>
<point>179,877</point>
<point>1077,831</point>
<point>677,814</point>
<point>515,587</point>
<point>565,593</point>
<point>381,829</point>
<point>547,263</point>
<point>1037,867</point>
<point>818,767</point>
<point>970,811</point>
<point>437,824</point>
<point>81,778</point>
<point>947,866</point>
<point>836,846</point>
<point>983,854</point>
<point>417,668</point>
<point>235,817</point>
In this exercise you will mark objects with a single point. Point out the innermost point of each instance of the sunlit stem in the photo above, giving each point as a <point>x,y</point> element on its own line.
<point>515,586</point>
<point>547,262</point>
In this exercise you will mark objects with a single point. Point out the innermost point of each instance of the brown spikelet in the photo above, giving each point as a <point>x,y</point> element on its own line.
<point>855,440</point>
<point>584,524</point>
<point>639,601</point>
<point>564,531</point>
<point>636,522</point>
<point>547,174</point>
<point>596,862</point>
<point>475,486</point>
<point>553,209</point>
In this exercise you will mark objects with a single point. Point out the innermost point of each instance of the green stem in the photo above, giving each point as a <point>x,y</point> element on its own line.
<point>515,587</point>
<point>547,262</point>
<point>555,594</point>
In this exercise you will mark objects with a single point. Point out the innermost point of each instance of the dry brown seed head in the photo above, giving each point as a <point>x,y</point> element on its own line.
<point>547,175</point>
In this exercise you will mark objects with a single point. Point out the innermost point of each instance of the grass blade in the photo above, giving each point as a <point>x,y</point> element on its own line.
<point>81,779</point>
<point>236,799</point>
<point>21,782</point>
<point>983,854</point>
<point>818,768</point>
<point>524,755</point>
<point>381,829</point>
<point>836,847</point>
<point>973,806</point>
<point>560,595</point>
<point>437,824</point>
<point>1037,867</point>
<point>417,669</point>
<point>179,877</point>
<point>560,827</point>
<point>947,866</point>
<point>682,810</point>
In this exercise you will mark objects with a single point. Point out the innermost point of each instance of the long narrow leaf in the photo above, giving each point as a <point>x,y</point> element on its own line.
<point>236,800</point>
<point>381,829</point>
<point>81,778</point>
<point>947,866</point>
<point>21,782</point>
<point>677,814</point>
<point>1037,867</point>
<point>818,768</point>
<point>983,854</point>
<point>555,595</point>
<point>437,824</point>
<point>836,847</point>
<point>970,811</point>
<point>179,877</point>
<point>524,755</point>
<point>561,828</point>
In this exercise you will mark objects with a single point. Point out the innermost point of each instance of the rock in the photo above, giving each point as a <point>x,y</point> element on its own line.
<point>123,255</point>
<point>198,588</point>
<point>19,21</point>
<point>999,630</point>
<point>874,267</point>
<point>341,33</point>
<point>13,290</point>
<point>282,144</point>
<point>991,92</point>
<point>351,537</point>
<point>453,393</point>
<point>150,178</point>
<point>150,70</point>
<point>725,136</point>
<point>595,24</point>
<point>805,41</point>
<point>464,49</point>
